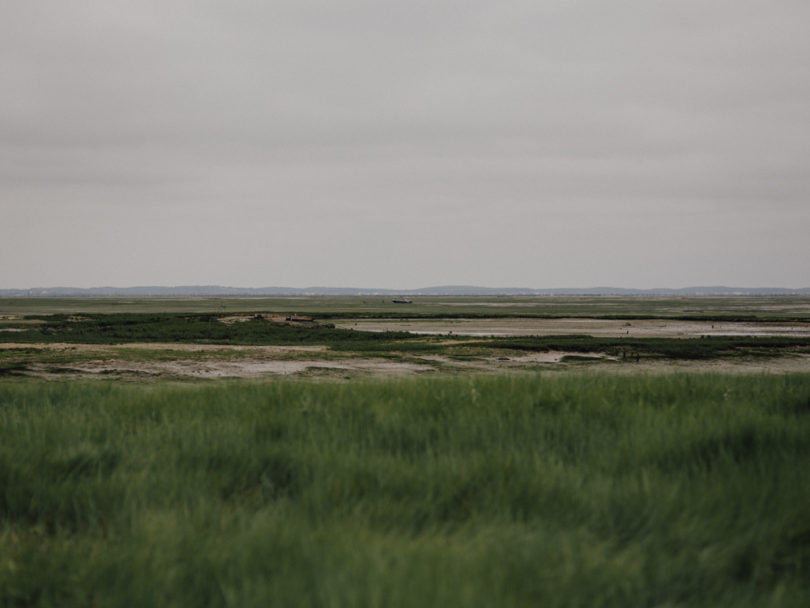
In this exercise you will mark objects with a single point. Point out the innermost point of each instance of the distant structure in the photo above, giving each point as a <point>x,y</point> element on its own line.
<point>298,318</point>
<point>402,301</point>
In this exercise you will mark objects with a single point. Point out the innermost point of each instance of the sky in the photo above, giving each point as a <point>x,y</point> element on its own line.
<point>373,143</point>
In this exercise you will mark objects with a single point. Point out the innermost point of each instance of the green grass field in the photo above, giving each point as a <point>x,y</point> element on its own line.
<point>708,308</point>
<point>532,490</point>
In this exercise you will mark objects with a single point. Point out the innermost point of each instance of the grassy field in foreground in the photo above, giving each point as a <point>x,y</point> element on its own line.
<point>564,490</point>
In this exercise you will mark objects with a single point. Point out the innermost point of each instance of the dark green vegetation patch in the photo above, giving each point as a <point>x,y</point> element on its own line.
<point>188,328</point>
<point>572,490</point>
<point>660,348</point>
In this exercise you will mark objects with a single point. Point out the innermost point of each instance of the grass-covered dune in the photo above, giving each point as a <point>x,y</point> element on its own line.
<point>557,490</point>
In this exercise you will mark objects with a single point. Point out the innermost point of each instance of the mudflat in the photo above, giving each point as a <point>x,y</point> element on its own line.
<point>639,328</point>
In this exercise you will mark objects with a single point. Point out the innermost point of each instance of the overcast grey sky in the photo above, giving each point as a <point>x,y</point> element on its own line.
<point>562,143</point>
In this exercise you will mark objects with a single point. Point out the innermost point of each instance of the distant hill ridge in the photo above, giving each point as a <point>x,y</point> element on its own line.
<point>443,290</point>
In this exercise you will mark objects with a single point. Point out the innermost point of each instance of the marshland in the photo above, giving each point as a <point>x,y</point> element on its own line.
<point>151,453</point>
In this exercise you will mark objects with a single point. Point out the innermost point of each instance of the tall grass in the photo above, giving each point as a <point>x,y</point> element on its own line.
<point>563,490</point>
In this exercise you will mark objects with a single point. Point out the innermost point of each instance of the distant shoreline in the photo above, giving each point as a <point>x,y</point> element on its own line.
<point>450,290</point>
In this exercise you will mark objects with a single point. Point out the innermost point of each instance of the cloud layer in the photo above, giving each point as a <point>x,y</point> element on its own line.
<point>404,144</point>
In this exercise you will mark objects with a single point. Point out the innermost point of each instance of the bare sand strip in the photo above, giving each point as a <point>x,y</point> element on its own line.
<point>353,368</point>
<point>234,369</point>
<point>349,368</point>
<point>603,328</point>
